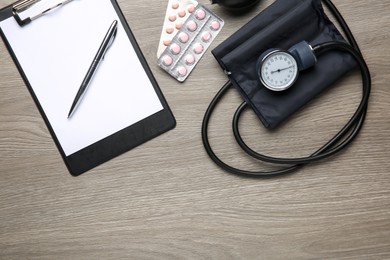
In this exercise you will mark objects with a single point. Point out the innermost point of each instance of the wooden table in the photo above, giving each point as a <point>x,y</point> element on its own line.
<point>167,200</point>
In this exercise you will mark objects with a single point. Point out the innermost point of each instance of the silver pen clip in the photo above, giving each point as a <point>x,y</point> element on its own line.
<point>110,42</point>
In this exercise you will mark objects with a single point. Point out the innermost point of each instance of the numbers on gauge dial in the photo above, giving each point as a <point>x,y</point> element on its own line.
<point>279,70</point>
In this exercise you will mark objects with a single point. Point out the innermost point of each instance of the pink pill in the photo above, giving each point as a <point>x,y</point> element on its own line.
<point>182,71</point>
<point>179,25</point>
<point>182,13</point>
<point>189,59</point>
<point>215,25</point>
<point>192,26</point>
<point>175,5</point>
<point>191,8</point>
<point>184,37</point>
<point>175,48</point>
<point>200,14</point>
<point>172,17</point>
<point>167,60</point>
<point>198,48</point>
<point>169,30</point>
<point>206,36</point>
<point>167,42</point>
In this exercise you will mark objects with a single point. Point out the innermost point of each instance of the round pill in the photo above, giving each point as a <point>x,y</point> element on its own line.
<point>182,71</point>
<point>200,14</point>
<point>179,25</point>
<point>172,17</point>
<point>206,36</point>
<point>167,42</point>
<point>192,26</point>
<point>184,37</point>
<point>175,5</point>
<point>169,30</point>
<point>198,48</point>
<point>175,48</point>
<point>215,25</point>
<point>182,13</point>
<point>167,60</point>
<point>189,59</point>
<point>191,8</point>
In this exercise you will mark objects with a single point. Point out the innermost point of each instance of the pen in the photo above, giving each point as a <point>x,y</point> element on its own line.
<point>107,42</point>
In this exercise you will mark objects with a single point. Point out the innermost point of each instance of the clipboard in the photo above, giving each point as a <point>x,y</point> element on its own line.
<point>52,43</point>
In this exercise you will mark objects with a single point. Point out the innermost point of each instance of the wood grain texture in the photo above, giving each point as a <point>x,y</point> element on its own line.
<point>167,200</point>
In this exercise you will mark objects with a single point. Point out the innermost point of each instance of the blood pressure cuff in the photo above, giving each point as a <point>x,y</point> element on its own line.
<point>281,25</point>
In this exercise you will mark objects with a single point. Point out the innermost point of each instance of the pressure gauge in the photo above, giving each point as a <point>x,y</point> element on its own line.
<point>277,69</point>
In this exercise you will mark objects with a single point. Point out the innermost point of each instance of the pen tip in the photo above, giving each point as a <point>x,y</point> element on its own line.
<point>72,109</point>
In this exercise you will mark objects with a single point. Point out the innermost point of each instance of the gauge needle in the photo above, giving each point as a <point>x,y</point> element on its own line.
<point>279,70</point>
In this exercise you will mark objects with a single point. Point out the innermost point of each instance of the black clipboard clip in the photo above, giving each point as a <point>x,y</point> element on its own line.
<point>23,5</point>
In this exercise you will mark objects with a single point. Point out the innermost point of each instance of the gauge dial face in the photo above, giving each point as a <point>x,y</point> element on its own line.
<point>278,70</point>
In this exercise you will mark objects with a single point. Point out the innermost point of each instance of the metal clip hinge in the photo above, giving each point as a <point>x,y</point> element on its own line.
<point>22,5</point>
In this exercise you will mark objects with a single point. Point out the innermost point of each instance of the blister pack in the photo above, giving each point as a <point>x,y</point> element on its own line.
<point>177,13</point>
<point>190,43</point>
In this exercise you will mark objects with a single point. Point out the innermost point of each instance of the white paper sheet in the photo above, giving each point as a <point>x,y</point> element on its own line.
<point>55,52</point>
